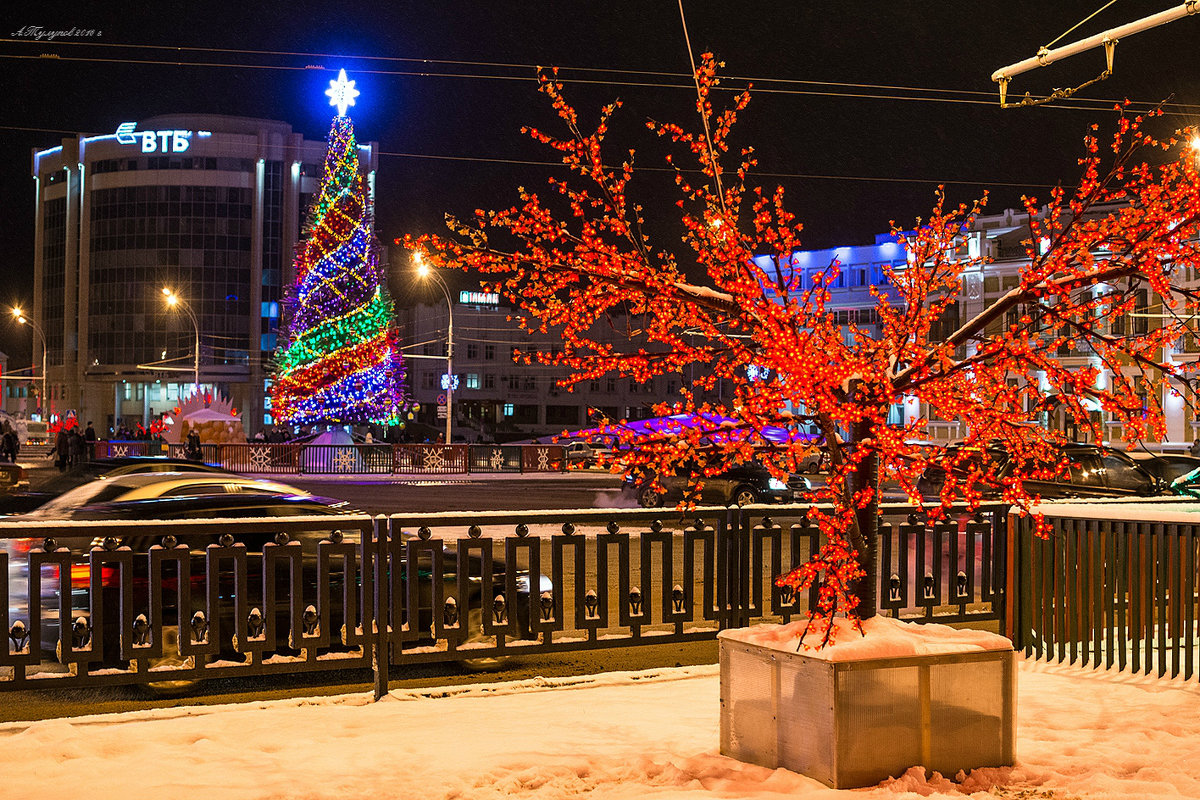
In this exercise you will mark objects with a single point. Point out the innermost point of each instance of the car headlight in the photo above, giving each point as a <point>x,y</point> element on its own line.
<point>776,485</point>
<point>544,584</point>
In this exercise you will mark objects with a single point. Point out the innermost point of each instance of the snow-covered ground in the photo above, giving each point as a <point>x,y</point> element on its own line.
<point>653,734</point>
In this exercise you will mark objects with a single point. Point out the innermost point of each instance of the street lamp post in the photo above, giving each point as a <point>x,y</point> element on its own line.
<point>423,271</point>
<point>19,315</point>
<point>175,301</point>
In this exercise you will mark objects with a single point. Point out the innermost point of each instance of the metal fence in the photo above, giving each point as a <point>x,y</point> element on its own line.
<point>1109,593</point>
<point>151,602</point>
<point>291,458</point>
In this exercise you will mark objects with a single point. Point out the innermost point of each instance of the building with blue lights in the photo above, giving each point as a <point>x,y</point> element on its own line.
<point>1002,239</point>
<point>209,205</point>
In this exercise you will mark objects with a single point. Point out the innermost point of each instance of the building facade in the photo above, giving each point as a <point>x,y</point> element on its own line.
<point>208,205</point>
<point>497,399</point>
<point>1001,238</point>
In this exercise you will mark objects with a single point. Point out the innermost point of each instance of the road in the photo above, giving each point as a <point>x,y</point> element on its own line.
<point>407,494</point>
<point>395,494</point>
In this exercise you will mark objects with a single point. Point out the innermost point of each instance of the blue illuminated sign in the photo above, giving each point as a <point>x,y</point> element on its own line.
<point>479,298</point>
<point>168,141</point>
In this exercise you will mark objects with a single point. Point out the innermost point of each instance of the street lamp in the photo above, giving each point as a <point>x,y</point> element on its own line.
<point>20,317</point>
<point>175,301</point>
<point>424,271</point>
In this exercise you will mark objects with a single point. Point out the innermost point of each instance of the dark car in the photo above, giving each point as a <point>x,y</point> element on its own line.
<point>1168,467</point>
<point>741,485</point>
<point>24,500</point>
<point>1092,471</point>
<point>13,478</point>
<point>251,507</point>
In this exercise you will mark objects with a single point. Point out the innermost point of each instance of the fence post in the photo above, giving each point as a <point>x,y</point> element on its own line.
<point>380,655</point>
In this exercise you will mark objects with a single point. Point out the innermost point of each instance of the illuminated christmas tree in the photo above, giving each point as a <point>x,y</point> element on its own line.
<point>339,361</point>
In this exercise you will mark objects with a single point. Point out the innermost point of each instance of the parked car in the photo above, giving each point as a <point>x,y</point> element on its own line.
<point>1169,467</point>
<point>1092,471</point>
<point>741,485</point>
<point>579,455</point>
<point>13,478</point>
<point>24,500</point>
<point>245,504</point>
<point>816,461</point>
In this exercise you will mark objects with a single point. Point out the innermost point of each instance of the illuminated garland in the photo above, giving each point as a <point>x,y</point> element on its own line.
<point>339,361</point>
<point>352,328</point>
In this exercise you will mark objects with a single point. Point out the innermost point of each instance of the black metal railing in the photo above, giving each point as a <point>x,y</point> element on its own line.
<point>148,602</point>
<point>1109,593</point>
<point>293,458</point>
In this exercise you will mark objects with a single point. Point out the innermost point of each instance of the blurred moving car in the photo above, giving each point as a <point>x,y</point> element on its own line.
<point>13,478</point>
<point>1092,471</point>
<point>24,500</point>
<point>252,501</point>
<point>150,485</point>
<point>738,485</point>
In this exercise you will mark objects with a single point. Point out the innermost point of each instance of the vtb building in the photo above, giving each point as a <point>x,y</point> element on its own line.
<point>208,205</point>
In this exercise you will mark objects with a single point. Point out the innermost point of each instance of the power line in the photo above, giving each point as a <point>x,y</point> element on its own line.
<point>532,79</point>
<point>534,67</point>
<point>559,164</point>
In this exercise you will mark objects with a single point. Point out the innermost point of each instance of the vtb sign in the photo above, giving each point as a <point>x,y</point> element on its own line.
<point>169,141</point>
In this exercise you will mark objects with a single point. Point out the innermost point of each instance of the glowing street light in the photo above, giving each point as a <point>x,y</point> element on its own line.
<point>175,301</point>
<point>424,271</point>
<point>20,317</point>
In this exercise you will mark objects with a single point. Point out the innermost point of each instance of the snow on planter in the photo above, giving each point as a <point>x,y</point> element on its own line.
<point>868,708</point>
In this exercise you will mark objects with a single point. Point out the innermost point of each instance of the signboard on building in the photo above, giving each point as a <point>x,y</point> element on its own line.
<point>478,298</point>
<point>169,141</point>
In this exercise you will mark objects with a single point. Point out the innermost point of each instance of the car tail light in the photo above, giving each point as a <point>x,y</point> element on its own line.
<point>20,546</point>
<point>81,576</point>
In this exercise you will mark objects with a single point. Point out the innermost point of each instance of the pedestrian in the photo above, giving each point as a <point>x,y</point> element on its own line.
<point>89,436</point>
<point>1195,448</point>
<point>10,444</point>
<point>76,447</point>
<point>192,450</point>
<point>61,450</point>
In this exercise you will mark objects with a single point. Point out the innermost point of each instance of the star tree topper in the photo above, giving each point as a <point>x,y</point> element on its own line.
<point>342,93</point>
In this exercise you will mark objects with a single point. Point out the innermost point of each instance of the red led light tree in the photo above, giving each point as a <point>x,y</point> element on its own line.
<point>579,260</point>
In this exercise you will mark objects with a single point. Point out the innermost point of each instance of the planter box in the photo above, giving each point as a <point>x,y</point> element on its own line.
<point>851,723</point>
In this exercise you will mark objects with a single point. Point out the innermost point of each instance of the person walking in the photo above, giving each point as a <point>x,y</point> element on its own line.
<point>61,450</point>
<point>89,437</point>
<point>10,444</point>
<point>76,447</point>
<point>191,449</point>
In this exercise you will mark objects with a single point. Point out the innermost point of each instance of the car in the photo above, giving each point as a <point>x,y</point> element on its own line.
<point>245,504</point>
<point>1168,467</point>
<point>13,478</point>
<point>1092,471</point>
<point>579,454</point>
<point>150,485</point>
<point>24,499</point>
<point>740,484</point>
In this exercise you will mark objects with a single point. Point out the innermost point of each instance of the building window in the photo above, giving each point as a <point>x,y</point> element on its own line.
<point>472,350</point>
<point>489,381</point>
<point>508,409</point>
<point>489,352</point>
<point>472,380</point>
<point>428,380</point>
<point>530,382</point>
<point>610,385</point>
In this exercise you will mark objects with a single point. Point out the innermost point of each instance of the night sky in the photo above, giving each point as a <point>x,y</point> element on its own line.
<point>800,55</point>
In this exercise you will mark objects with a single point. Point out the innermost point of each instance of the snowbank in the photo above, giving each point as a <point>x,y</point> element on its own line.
<point>885,638</point>
<point>1081,734</point>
